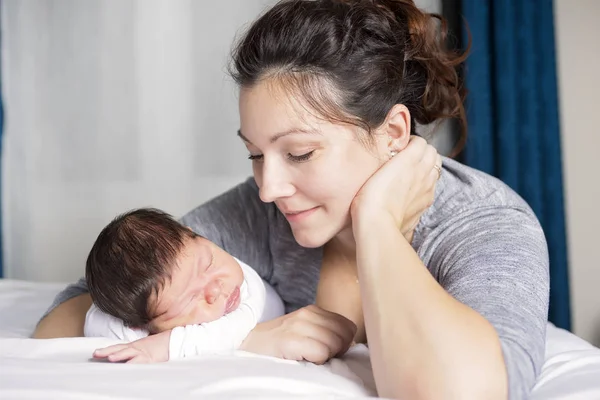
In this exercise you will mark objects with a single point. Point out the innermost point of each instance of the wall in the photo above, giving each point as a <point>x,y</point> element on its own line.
<point>578,46</point>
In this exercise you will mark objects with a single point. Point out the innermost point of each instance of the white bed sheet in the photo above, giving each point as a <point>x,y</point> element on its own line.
<point>62,368</point>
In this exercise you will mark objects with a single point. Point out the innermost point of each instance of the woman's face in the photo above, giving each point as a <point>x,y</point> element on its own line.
<point>310,168</point>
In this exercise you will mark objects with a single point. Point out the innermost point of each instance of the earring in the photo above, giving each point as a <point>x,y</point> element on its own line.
<point>393,153</point>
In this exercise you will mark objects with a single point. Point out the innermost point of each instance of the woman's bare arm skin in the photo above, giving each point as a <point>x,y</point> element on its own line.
<point>66,320</point>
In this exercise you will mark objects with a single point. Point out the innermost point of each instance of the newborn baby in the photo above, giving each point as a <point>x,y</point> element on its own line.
<point>170,292</point>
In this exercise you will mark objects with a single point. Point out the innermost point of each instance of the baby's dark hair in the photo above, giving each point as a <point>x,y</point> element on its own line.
<point>132,258</point>
<point>353,60</point>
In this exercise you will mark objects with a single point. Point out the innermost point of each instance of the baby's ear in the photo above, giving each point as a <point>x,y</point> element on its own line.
<point>150,328</point>
<point>135,328</point>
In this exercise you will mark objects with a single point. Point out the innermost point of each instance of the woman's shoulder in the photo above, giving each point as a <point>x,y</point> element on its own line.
<point>478,219</point>
<point>462,189</point>
<point>469,197</point>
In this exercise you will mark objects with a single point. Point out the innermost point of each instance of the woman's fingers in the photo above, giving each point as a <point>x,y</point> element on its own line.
<point>433,172</point>
<point>421,193</point>
<point>309,333</point>
<point>429,161</point>
<point>330,321</point>
<point>307,348</point>
<point>330,339</point>
<point>416,147</point>
<point>333,330</point>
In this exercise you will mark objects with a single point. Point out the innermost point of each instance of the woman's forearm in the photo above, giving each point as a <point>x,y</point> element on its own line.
<point>424,344</point>
<point>66,320</point>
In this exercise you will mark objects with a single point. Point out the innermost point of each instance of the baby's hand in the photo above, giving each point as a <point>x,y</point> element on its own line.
<point>153,348</point>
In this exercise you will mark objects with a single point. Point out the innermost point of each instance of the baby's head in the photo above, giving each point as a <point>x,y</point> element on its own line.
<point>154,273</point>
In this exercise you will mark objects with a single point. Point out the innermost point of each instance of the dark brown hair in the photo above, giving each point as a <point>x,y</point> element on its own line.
<point>352,60</point>
<point>131,259</point>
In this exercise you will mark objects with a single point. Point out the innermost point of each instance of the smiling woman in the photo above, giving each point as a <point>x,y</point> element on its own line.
<point>302,190</point>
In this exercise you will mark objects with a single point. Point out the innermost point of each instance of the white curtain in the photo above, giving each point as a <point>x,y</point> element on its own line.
<point>112,105</point>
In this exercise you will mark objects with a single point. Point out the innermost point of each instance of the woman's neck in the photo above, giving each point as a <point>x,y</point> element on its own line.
<point>345,244</point>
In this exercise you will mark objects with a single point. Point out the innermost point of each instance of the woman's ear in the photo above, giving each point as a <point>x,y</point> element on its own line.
<point>397,128</point>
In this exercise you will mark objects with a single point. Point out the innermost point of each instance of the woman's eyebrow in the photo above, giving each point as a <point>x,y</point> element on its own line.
<point>244,138</point>
<point>291,131</point>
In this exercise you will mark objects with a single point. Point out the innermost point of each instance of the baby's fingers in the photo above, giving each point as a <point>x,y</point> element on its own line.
<point>124,355</point>
<point>139,359</point>
<point>106,351</point>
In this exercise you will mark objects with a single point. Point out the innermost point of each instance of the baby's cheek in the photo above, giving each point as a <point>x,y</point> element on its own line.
<point>180,320</point>
<point>191,316</point>
<point>205,313</point>
<point>199,314</point>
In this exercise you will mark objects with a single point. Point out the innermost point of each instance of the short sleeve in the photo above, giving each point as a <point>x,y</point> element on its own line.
<point>495,260</point>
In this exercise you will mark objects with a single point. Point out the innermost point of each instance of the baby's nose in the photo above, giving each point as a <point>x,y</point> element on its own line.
<point>212,291</point>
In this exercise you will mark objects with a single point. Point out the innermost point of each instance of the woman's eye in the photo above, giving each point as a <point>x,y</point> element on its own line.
<point>303,157</point>
<point>255,157</point>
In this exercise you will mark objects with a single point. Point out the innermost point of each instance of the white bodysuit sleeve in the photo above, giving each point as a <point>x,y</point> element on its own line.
<point>228,332</point>
<point>100,324</point>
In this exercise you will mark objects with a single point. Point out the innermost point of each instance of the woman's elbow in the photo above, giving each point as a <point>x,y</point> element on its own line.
<point>476,372</point>
<point>468,387</point>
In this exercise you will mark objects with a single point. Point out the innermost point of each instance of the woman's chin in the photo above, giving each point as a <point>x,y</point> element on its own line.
<point>312,239</point>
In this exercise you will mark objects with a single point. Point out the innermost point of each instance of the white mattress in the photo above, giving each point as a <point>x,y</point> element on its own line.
<point>62,368</point>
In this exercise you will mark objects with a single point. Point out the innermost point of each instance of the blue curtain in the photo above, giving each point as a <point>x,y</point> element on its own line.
<point>513,121</point>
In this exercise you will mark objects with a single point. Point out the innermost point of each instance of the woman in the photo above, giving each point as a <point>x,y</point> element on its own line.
<point>450,286</point>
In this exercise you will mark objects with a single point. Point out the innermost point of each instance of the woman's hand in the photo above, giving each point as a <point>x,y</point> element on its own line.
<point>404,186</point>
<point>310,334</point>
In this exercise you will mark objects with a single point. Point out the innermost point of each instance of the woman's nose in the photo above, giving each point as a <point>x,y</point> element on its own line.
<point>212,291</point>
<point>274,184</point>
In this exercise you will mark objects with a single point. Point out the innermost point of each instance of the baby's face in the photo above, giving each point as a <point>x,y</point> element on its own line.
<point>204,286</point>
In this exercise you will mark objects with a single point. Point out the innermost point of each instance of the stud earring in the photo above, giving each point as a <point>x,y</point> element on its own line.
<point>393,153</point>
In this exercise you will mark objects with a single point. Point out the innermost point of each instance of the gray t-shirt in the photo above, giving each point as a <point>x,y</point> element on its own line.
<point>480,241</point>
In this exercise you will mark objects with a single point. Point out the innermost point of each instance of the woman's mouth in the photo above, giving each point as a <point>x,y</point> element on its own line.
<point>297,216</point>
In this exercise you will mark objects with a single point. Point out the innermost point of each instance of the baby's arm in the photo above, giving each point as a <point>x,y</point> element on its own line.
<point>229,331</point>
<point>100,324</point>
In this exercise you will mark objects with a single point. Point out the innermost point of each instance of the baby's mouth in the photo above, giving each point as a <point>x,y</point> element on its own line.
<point>232,301</point>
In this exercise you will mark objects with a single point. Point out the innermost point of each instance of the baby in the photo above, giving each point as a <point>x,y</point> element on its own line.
<point>170,292</point>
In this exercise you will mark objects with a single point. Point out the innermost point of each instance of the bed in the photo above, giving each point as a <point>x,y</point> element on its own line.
<point>62,368</point>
